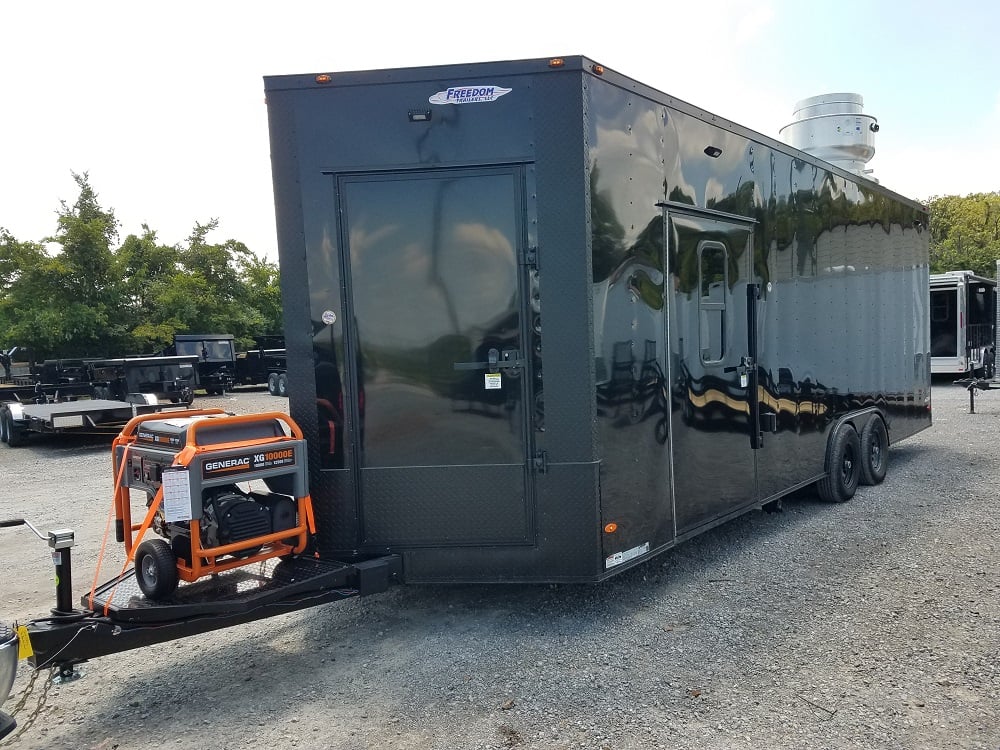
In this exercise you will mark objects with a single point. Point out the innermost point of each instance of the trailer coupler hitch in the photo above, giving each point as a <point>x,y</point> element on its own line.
<point>972,385</point>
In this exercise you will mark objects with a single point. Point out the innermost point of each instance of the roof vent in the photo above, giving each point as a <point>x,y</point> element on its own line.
<point>833,127</point>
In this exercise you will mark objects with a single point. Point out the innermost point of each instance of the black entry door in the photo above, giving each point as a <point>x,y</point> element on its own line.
<point>713,432</point>
<point>435,331</point>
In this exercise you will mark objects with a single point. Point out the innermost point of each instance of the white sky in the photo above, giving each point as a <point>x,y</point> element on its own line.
<point>163,104</point>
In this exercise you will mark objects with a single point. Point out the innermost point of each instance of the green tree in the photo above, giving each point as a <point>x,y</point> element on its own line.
<point>965,233</point>
<point>90,299</point>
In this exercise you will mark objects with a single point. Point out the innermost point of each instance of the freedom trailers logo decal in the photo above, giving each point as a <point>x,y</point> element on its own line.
<point>247,462</point>
<point>469,94</point>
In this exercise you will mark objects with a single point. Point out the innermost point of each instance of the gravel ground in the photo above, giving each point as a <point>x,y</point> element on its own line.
<point>873,624</point>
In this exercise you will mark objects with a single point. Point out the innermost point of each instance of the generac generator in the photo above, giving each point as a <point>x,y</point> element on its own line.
<point>221,491</point>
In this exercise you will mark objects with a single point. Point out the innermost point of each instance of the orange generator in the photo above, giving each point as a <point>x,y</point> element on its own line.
<point>221,491</point>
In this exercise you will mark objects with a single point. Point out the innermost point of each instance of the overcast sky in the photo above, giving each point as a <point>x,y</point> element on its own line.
<point>162,103</point>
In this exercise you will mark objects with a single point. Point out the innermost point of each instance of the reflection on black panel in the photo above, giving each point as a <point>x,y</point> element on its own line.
<point>434,279</point>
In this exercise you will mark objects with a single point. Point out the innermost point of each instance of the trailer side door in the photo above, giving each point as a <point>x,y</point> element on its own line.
<point>712,426</point>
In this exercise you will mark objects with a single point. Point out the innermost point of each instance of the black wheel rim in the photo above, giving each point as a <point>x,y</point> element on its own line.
<point>876,456</point>
<point>847,466</point>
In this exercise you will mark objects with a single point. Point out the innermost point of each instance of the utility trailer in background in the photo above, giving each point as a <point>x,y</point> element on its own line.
<point>91,395</point>
<point>963,312</point>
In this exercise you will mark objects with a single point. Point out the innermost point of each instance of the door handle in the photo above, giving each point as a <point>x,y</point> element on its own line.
<point>508,359</point>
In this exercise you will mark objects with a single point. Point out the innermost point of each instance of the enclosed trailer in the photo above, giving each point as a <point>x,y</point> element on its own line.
<point>963,333</point>
<point>544,321</point>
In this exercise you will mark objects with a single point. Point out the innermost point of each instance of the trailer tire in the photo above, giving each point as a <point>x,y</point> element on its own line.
<point>272,383</point>
<point>282,384</point>
<point>16,435</point>
<point>155,569</point>
<point>874,451</point>
<point>4,429</point>
<point>844,471</point>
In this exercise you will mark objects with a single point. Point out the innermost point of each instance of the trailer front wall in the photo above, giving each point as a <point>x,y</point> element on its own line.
<point>351,167</point>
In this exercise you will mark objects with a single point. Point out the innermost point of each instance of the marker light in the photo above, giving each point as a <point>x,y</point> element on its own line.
<point>610,528</point>
<point>598,69</point>
<point>323,78</point>
<point>556,62</point>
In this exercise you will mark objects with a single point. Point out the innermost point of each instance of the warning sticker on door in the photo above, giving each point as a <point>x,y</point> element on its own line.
<point>493,382</point>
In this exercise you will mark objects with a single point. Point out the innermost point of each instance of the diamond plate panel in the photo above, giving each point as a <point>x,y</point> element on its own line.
<point>445,505</point>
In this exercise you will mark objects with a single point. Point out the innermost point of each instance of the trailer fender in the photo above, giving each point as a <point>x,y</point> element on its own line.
<point>146,399</point>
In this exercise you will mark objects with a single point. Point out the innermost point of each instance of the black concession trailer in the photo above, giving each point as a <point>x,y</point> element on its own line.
<point>542,322</point>
<point>557,321</point>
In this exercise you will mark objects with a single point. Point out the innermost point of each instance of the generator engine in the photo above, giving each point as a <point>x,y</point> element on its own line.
<point>228,515</point>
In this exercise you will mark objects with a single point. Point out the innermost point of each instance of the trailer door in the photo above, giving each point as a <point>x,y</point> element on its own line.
<point>947,304</point>
<point>712,431</point>
<point>435,303</point>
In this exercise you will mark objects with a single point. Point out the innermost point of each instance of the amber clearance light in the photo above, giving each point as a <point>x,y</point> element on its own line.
<point>323,78</point>
<point>556,62</point>
<point>610,528</point>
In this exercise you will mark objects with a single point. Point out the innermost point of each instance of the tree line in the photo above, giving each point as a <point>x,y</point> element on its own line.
<point>94,297</point>
<point>965,233</point>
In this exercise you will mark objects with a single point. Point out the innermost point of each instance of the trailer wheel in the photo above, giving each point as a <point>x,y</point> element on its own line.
<point>155,568</point>
<point>840,483</point>
<point>874,451</point>
<point>272,383</point>
<point>282,385</point>
<point>16,436</point>
<point>4,429</point>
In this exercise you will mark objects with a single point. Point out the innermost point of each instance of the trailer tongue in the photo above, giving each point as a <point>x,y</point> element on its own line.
<point>117,617</point>
<point>244,551</point>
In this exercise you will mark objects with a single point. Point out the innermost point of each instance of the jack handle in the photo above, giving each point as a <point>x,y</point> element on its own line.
<point>11,522</point>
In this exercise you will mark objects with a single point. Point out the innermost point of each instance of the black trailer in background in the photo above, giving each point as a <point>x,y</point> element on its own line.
<point>544,321</point>
<point>221,367</point>
<point>91,395</point>
<point>216,359</point>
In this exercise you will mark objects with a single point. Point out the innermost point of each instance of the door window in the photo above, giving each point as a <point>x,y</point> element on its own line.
<point>713,282</point>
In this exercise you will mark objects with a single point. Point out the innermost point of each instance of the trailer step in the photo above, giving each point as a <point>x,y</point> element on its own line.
<point>227,593</point>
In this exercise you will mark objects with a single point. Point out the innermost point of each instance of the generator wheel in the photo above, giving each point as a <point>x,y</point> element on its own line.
<point>272,383</point>
<point>155,569</point>
<point>840,483</point>
<point>282,384</point>
<point>874,451</point>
